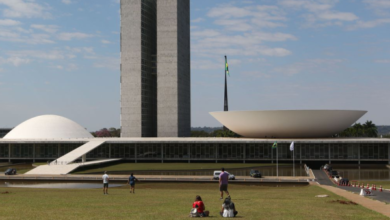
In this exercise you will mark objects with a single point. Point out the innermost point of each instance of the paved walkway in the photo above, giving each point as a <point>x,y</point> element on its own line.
<point>374,205</point>
<point>154,178</point>
<point>375,202</point>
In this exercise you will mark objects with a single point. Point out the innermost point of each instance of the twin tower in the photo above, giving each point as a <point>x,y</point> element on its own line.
<point>155,68</point>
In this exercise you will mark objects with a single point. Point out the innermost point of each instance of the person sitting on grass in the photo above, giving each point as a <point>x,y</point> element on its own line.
<point>228,208</point>
<point>198,204</point>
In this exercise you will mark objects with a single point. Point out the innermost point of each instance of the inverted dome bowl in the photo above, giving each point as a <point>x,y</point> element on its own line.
<point>288,123</point>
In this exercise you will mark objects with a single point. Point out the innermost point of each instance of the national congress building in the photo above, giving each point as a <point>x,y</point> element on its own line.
<point>155,102</point>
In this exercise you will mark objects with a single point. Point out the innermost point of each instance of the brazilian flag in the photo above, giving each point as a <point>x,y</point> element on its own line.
<point>226,67</point>
<point>275,145</point>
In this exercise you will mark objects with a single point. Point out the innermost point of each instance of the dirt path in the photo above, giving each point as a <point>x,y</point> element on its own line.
<point>366,202</point>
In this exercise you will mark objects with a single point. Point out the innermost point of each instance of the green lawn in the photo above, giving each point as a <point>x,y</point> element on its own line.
<point>174,200</point>
<point>384,184</point>
<point>168,166</point>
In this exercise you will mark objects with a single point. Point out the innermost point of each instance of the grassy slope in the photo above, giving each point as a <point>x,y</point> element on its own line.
<point>174,200</point>
<point>170,166</point>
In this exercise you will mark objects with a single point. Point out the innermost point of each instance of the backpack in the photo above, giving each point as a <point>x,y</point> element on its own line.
<point>194,213</point>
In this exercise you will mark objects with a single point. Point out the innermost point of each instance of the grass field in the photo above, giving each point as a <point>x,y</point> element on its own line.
<point>168,166</point>
<point>174,200</point>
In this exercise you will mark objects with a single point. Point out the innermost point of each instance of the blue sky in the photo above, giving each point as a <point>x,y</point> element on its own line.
<point>62,57</point>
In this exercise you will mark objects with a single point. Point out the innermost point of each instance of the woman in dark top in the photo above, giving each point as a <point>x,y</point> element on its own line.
<point>131,181</point>
<point>200,206</point>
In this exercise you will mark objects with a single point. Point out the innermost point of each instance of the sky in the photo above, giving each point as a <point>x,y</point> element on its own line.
<point>62,57</point>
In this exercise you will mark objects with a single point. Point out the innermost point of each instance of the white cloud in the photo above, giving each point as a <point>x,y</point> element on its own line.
<point>197,20</point>
<point>106,42</point>
<point>58,67</point>
<point>380,7</point>
<point>311,66</point>
<point>72,67</point>
<point>229,12</point>
<point>24,8</point>
<point>16,61</point>
<point>248,18</point>
<point>369,24</point>
<point>319,13</point>
<point>382,61</point>
<point>9,22</point>
<point>342,16</point>
<point>46,28</point>
<point>112,63</point>
<point>275,52</point>
<point>46,55</point>
<point>205,33</point>
<point>74,35</point>
<point>67,2</point>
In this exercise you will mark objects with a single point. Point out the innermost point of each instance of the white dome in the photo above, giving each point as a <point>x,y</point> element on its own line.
<point>48,127</point>
<point>288,123</point>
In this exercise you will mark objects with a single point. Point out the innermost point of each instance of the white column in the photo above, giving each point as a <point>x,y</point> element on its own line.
<point>84,158</point>
<point>135,152</point>
<point>216,153</point>
<point>33,153</point>
<point>388,153</point>
<point>162,153</point>
<point>359,153</point>
<point>244,149</point>
<point>9,153</point>
<point>300,154</point>
<point>189,152</point>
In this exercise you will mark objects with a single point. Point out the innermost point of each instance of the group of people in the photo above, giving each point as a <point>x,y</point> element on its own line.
<point>228,208</point>
<point>130,181</point>
<point>198,208</point>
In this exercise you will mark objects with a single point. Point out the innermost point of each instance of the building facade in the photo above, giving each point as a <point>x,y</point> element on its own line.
<point>206,149</point>
<point>155,68</point>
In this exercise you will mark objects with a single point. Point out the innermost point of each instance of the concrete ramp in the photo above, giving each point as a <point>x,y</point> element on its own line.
<point>53,169</point>
<point>78,152</point>
<point>65,169</point>
<point>64,165</point>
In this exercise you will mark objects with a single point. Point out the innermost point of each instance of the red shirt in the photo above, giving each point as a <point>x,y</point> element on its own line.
<point>200,206</point>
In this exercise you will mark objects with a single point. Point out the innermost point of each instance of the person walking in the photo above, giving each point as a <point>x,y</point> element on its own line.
<point>131,181</point>
<point>106,179</point>
<point>223,182</point>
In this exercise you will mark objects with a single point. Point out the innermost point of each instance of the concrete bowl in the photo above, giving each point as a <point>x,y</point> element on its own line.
<point>288,123</point>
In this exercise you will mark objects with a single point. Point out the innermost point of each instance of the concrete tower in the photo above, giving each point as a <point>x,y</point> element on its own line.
<point>173,69</point>
<point>138,68</point>
<point>155,68</point>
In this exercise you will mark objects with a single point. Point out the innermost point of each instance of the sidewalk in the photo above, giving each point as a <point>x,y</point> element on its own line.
<point>366,202</point>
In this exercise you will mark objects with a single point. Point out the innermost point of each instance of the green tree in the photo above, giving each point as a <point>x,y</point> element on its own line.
<point>367,129</point>
<point>199,134</point>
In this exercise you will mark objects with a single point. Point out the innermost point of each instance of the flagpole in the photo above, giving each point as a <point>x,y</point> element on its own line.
<point>294,161</point>
<point>225,106</point>
<point>277,165</point>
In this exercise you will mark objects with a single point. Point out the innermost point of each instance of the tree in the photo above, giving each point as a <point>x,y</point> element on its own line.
<point>224,133</point>
<point>367,129</point>
<point>199,134</point>
<point>103,133</point>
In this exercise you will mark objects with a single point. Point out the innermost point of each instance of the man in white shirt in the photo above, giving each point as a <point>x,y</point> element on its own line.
<point>105,183</point>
